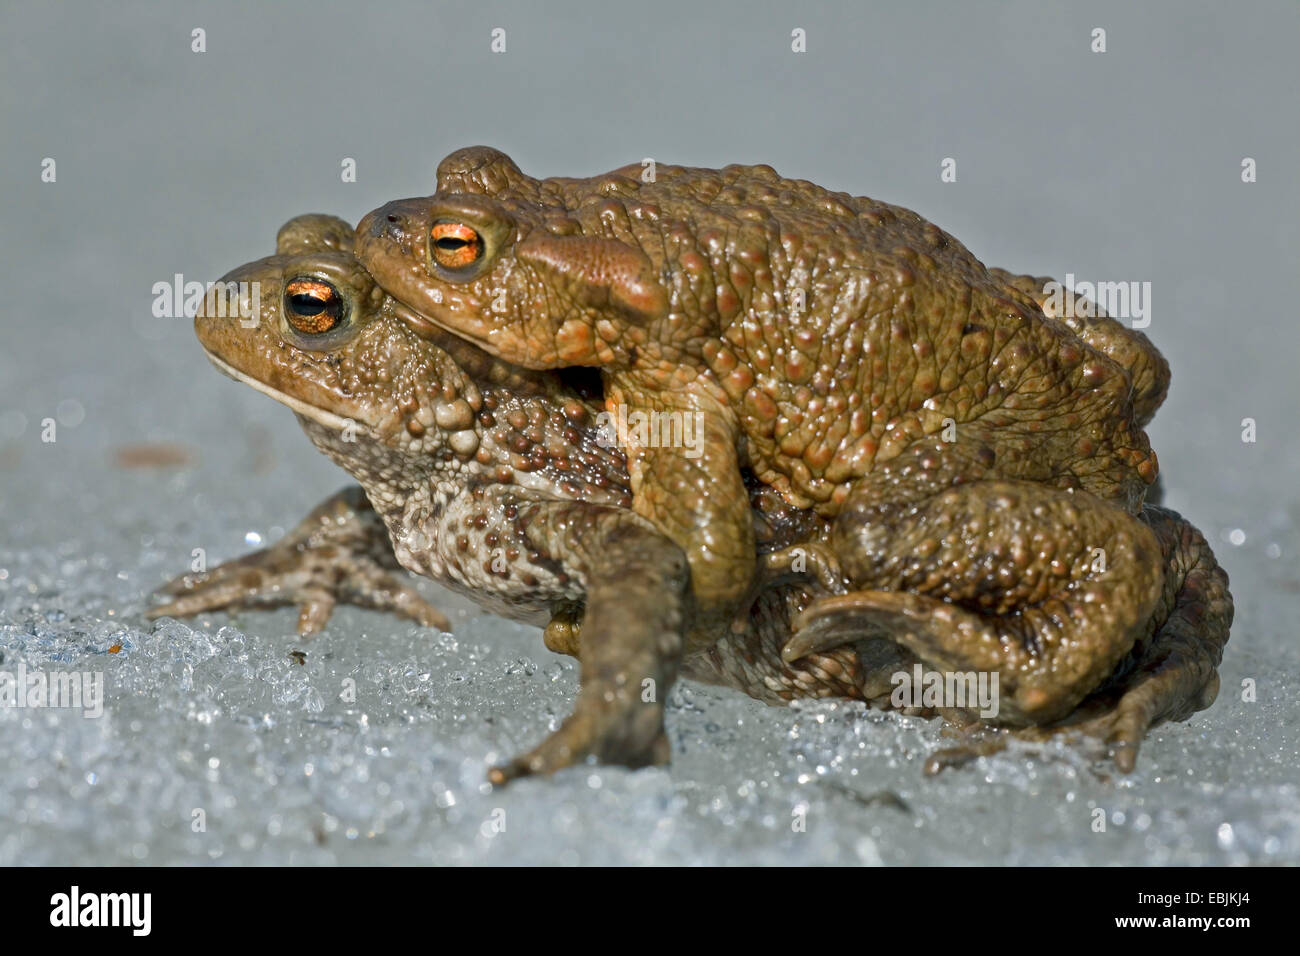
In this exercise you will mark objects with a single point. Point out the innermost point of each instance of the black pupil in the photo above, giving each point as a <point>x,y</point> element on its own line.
<point>304,303</point>
<point>451,243</point>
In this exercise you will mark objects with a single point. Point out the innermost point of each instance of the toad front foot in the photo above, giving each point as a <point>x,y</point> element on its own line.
<point>340,552</point>
<point>629,735</point>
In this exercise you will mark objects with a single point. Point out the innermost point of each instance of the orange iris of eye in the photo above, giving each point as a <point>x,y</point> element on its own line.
<point>312,306</point>
<point>454,245</point>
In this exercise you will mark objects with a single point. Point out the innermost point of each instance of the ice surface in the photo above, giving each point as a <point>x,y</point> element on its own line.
<point>218,717</point>
<point>214,715</point>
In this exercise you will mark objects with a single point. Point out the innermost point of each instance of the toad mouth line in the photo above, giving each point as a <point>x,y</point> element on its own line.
<point>320,416</point>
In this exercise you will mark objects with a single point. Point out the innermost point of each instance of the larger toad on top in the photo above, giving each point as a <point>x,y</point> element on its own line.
<point>818,336</point>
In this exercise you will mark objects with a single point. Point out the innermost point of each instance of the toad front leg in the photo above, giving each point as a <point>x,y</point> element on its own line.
<point>686,480</point>
<point>340,553</point>
<point>631,642</point>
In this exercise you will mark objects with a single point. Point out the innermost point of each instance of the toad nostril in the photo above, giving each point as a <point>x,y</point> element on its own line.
<point>386,227</point>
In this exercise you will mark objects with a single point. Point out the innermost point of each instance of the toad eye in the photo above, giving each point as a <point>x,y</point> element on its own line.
<point>454,245</point>
<point>312,306</point>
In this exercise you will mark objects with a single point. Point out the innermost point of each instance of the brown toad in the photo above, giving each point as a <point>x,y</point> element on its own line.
<point>816,335</point>
<point>492,480</point>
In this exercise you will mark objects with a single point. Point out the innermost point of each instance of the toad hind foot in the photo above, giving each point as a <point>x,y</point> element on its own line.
<point>340,553</point>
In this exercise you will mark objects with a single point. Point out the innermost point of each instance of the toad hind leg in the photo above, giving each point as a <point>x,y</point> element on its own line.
<point>1169,676</point>
<point>1047,589</point>
<point>1174,673</point>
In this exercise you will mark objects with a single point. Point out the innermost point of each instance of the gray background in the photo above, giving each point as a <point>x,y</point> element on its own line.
<point>1115,166</point>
